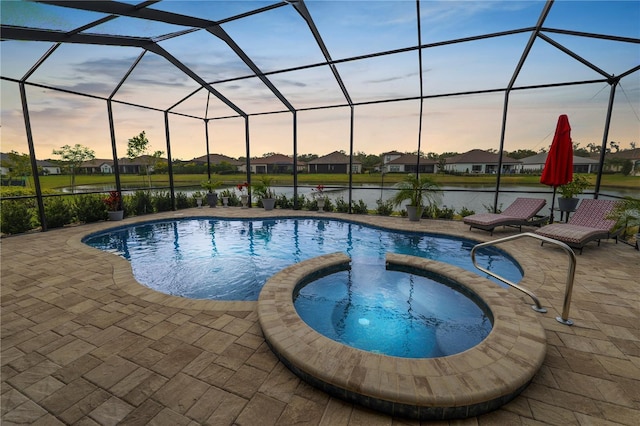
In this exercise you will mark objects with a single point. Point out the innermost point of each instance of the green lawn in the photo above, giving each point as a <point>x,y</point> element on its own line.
<point>61,181</point>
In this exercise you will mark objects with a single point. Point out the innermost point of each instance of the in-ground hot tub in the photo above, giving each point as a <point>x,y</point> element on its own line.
<point>466,384</point>
<point>392,311</point>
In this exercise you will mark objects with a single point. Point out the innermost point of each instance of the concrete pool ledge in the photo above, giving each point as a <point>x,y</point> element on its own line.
<point>470,383</point>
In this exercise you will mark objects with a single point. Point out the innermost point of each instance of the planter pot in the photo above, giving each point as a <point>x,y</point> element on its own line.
<point>225,201</point>
<point>414,213</point>
<point>212,199</point>
<point>116,215</point>
<point>268,203</point>
<point>321,204</point>
<point>199,202</point>
<point>567,204</point>
<point>245,201</point>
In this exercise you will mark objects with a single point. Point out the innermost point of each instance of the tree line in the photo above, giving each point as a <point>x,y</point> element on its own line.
<point>72,157</point>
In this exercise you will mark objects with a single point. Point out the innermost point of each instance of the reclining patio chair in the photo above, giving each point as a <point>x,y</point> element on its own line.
<point>522,211</point>
<point>588,223</point>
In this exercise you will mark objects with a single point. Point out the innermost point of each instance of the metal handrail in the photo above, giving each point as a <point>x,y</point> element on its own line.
<point>564,319</point>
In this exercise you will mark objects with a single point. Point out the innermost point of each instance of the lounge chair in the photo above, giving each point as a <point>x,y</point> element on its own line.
<point>522,211</point>
<point>588,223</point>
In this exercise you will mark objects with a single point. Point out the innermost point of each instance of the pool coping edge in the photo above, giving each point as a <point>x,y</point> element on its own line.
<point>466,384</point>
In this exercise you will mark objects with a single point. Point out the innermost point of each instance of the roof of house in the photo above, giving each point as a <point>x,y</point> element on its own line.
<point>392,153</point>
<point>124,161</point>
<point>274,159</point>
<point>45,163</point>
<point>411,159</point>
<point>4,156</point>
<point>542,158</point>
<point>631,154</point>
<point>96,162</point>
<point>41,163</point>
<point>336,157</point>
<point>480,156</point>
<point>217,159</point>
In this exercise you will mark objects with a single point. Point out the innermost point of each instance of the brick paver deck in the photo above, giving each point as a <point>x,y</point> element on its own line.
<point>83,343</point>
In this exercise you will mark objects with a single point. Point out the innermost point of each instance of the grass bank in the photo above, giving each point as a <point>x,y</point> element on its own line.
<point>57,182</point>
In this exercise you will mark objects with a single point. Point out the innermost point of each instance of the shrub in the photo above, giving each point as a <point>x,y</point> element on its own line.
<point>162,201</point>
<point>490,208</point>
<point>234,200</point>
<point>627,167</point>
<point>138,204</point>
<point>444,213</point>
<point>464,212</point>
<point>359,208</point>
<point>89,208</point>
<point>311,204</point>
<point>17,191</point>
<point>58,212</point>
<point>385,208</point>
<point>17,216</point>
<point>341,205</point>
<point>183,201</point>
<point>284,202</point>
<point>328,205</point>
<point>301,202</point>
<point>430,212</point>
<point>627,216</point>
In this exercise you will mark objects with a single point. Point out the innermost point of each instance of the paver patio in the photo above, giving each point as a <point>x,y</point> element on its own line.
<point>83,343</point>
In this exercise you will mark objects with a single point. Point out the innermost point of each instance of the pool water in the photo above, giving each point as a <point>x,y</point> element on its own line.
<point>227,259</point>
<point>392,313</point>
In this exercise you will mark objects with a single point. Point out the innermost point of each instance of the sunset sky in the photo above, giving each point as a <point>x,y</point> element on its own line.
<point>280,39</point>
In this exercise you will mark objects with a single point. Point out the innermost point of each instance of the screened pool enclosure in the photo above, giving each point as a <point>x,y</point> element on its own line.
<point>247,78</point>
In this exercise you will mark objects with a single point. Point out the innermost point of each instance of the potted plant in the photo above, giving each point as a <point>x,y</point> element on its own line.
<point>114,206</point>
<point>420,191</point>
<point>212,196</point>
<point>229,198</point>
<point>198,197</point>
<point>318,194</point>
<point>568,201</point>
<point>264,191</point>
<point>244,198</point>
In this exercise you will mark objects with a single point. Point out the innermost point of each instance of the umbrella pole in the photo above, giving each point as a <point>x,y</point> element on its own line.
<point>553,200</point>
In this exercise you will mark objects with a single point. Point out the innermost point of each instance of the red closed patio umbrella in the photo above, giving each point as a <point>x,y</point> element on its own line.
<point>558,169</point>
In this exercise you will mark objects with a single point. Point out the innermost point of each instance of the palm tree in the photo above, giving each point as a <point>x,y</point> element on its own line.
<point>419,190</point>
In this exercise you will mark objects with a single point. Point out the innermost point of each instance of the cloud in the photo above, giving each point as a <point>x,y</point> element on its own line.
<point>393,78</point>
<point>292,83</point>
<point>107,67</point>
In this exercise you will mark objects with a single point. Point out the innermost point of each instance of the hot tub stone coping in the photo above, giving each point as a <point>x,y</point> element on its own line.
<point>475,381</point>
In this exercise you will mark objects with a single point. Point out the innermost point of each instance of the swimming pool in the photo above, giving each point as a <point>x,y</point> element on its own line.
<point>231,259</point>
